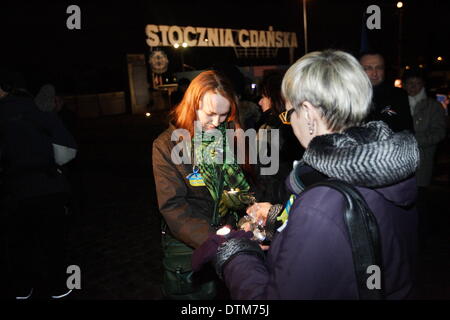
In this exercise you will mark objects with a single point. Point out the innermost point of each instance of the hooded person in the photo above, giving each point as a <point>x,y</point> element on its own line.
<point>46,98</point>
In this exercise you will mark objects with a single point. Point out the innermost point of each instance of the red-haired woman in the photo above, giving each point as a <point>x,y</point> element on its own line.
<point>190,194</point>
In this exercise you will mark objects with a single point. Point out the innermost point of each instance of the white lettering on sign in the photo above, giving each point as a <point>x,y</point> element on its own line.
<point>189,35</point>
<point>201,40</point>
<point>244,42</point>
<point>161,35</point>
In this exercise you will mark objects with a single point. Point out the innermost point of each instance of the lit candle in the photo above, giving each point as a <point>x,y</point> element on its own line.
<point>234,191</point>
<point>223,231</point>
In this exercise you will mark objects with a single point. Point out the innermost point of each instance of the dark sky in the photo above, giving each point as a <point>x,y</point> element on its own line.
<point>36,42</point>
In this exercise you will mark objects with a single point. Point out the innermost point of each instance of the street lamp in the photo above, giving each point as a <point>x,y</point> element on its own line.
<point>183,46</point>
<point>305,27</point>
<point>400,15</point>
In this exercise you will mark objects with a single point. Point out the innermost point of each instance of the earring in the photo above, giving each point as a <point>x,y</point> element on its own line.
<point>310,129</point>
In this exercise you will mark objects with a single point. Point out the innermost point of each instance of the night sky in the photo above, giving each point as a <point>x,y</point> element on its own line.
<point>36,42</point>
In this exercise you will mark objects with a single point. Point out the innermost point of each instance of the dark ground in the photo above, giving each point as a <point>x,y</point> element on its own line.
<point>114,232</point>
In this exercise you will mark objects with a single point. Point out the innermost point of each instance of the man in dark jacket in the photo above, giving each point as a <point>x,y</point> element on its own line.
<point>390,104</point>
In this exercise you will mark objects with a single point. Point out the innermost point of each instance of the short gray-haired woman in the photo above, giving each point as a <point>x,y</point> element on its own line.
<point>328,97</point>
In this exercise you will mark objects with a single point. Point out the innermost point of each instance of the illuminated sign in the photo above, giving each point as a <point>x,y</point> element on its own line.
<point>165,36</point>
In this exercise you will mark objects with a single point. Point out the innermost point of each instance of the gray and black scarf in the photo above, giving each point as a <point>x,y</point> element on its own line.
<point>370,156</point>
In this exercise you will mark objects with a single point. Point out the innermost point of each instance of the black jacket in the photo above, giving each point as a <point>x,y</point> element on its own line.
<point>290,149</point>
<point>391,105</point>
<point>26,152</point>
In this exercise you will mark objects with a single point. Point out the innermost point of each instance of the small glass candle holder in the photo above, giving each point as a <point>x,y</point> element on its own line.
<point>249,223</point>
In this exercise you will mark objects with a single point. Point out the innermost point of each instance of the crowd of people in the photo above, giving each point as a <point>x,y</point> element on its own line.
<point>340,126</point>
<point>354,159</point>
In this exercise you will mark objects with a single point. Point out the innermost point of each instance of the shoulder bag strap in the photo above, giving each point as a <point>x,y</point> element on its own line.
<point>364,236</point>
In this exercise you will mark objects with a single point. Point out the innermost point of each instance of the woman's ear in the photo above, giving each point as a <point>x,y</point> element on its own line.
<point>315,119</point>
<point>309,110</point>
<point>312,113</point>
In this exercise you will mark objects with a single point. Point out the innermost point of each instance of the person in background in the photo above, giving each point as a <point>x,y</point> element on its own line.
<point>33,198</point>
<point>273,105</point>
<point>390,104</point>
<point>430,129</point>
<point>271,102</point>
<point>429,123</point>
<point>48,100</point>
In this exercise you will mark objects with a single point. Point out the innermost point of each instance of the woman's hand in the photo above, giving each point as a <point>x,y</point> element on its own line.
<point>208,249</point>
<point>259,212</point>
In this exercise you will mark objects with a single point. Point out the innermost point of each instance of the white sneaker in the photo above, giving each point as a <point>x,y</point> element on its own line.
<point>63,295</point>
<point>25,297</point>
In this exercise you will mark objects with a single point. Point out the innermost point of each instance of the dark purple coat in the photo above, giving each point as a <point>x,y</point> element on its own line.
<point>312,259</point>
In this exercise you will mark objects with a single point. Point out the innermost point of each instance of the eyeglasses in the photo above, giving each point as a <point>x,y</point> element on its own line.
<point>286,116</point>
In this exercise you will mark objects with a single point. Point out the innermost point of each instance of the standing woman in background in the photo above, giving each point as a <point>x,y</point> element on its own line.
<point>286,144</point>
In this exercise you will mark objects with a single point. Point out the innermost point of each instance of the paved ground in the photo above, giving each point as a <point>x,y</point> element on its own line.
<point>114,234</point>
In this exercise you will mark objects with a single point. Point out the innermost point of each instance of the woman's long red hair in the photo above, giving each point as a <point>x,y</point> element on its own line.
<point>184,114</point>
